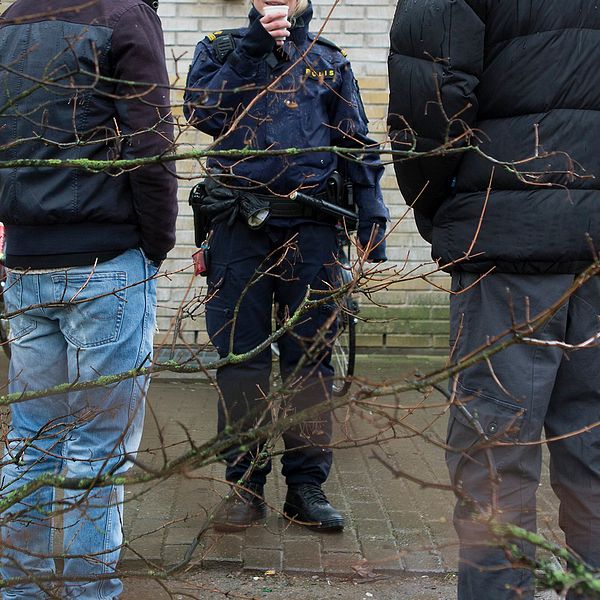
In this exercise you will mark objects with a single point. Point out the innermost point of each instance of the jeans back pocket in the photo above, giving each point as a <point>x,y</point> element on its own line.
<point>94,306</point>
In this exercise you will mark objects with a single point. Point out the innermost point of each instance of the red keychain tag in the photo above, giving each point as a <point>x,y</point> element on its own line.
<point>200,258</point>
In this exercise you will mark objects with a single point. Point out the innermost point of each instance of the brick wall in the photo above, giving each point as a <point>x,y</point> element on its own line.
<point>413,313</point>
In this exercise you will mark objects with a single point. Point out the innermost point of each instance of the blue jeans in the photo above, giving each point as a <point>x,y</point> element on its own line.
<point>79,434</point>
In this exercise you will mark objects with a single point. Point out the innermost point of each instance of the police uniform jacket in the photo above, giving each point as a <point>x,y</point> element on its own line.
<point>313,102</point>
<point>521,76</point>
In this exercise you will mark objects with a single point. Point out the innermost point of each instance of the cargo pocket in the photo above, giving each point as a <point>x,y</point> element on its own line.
<point>499,421</point>
<point>219,309</point>
<point>215,279</point>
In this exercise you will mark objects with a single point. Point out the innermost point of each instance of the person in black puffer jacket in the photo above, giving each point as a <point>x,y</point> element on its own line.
<point>518,79</point>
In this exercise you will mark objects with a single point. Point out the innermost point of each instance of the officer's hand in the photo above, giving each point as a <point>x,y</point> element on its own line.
<point>277,25</point>
<point>372,233</point>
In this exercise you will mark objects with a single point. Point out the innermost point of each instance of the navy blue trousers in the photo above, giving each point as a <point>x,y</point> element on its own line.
<point>249,272</point>
<point>523,391</point>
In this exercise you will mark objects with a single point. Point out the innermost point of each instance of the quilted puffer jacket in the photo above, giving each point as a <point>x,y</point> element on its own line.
<point>519,79</point>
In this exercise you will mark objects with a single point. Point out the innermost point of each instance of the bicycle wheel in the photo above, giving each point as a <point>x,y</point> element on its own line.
<point>343,352</point>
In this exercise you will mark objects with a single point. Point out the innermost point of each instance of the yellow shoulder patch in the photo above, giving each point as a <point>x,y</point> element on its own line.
<point>214,35</point>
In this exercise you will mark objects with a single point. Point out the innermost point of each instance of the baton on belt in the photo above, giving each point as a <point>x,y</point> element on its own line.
<point>324,206</point>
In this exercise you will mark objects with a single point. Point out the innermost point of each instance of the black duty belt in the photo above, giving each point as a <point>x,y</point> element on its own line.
<point>212,202</point>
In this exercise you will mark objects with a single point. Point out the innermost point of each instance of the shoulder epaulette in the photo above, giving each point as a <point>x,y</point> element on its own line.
<point>215,34</point>
<point>330,44</point>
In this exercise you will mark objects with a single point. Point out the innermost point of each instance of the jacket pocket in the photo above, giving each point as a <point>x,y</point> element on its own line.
<point>219,309</point>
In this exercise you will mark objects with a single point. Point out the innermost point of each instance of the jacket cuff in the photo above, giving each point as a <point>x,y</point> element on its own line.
<point>257,42</point>
<point>365,228</point>
<point>370,203</point>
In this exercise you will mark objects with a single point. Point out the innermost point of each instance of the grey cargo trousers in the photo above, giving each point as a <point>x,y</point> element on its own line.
<point>522,391</point>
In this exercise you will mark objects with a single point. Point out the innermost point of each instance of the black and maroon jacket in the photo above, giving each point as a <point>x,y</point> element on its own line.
<point>84,80</point>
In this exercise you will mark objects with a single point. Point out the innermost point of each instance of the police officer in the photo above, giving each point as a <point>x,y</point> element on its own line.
<point>269,86</point>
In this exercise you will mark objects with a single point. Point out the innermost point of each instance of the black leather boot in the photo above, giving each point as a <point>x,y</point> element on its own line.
<point>307,502</point>
<point>243,508</point>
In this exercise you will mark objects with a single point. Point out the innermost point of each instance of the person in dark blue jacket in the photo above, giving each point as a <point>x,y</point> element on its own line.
<point>271,86</point>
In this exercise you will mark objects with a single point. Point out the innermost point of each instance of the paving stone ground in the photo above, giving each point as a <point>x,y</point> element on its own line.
<point>394,526</point>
